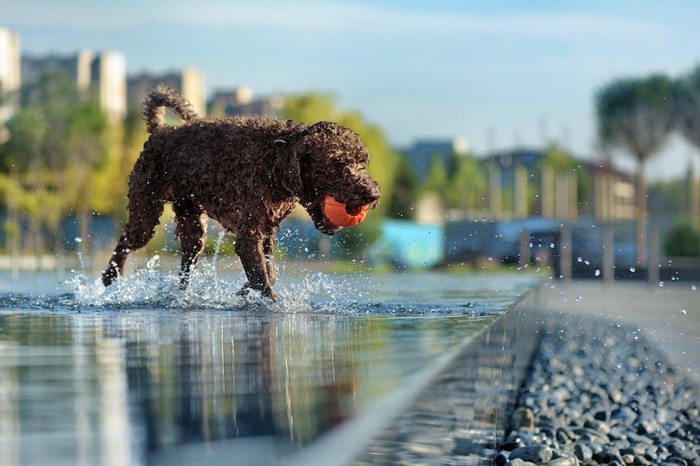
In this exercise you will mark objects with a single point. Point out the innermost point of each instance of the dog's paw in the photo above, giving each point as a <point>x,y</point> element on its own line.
<point>249,291</point>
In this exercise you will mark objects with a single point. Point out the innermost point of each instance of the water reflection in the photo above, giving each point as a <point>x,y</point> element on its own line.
<point>95,386</point>
<point>131,385</point>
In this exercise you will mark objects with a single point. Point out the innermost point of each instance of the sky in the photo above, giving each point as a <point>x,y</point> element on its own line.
<point>499,74</point>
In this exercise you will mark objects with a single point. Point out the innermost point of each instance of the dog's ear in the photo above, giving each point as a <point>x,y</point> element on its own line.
<point>287,165</point>
<point>285,137</point>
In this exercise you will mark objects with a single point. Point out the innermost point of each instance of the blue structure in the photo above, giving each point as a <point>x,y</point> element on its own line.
<point>405,244</point>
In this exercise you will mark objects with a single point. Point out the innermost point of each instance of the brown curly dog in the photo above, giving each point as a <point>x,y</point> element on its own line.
<point>246,172</point>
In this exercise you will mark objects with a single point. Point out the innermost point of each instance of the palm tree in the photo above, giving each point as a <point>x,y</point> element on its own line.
<point>636,115</point>
<point>686,101</point>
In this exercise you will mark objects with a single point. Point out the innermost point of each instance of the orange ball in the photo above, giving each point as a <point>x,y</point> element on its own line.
<point>339,214</point>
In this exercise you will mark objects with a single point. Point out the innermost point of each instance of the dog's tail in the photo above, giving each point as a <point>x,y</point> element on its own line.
<point>157,100</point>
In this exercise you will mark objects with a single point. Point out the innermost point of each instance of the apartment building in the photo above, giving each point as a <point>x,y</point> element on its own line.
<point>10,75</point>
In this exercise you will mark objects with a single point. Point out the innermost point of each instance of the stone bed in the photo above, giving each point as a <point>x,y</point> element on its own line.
<point>600,393</point>
<point>549,389</point>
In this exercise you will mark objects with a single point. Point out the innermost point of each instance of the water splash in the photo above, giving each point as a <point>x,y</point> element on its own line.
<point>78,242</point>
<point>217,247</point>
<point>154,288</point>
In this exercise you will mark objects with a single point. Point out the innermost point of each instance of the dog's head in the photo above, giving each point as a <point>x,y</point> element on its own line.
<point>332,162</point>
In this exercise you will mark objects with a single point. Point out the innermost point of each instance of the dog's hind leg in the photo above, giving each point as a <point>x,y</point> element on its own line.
<point>143,218</point>
<point>191,230</point>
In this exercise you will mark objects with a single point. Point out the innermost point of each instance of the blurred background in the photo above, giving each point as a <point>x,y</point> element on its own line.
<point>497,130</point>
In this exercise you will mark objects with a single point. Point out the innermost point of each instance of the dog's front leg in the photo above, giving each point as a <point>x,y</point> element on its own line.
<point>250,251</point>
<point>269,251</point>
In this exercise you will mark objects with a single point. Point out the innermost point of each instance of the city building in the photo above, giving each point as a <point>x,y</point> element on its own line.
<point>537,188</point>
<point>422,153</point>
<point>240,101</point>
<point>189,82</point>
<point>103,74</point>
<point>10,74</point>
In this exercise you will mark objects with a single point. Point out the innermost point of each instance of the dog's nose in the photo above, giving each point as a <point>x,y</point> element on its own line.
<point>373,195</point>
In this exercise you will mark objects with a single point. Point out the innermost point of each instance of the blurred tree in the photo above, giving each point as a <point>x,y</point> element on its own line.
<point>686,102</point>
<point>459,181</point>
<point>682,240</point>
<point>405,192</point>
<point>310,107</point>
<point>85,154</point>
<point>26,182</point>
<point>561,161</point>
<point>436,179</point>
<point>467,183</point>
<point>54,149</point>
<point>636,115</point>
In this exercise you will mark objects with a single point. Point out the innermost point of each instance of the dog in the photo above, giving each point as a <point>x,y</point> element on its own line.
<point>246,172</point>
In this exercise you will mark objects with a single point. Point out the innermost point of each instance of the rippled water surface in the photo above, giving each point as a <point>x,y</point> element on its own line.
<point>144,373</point>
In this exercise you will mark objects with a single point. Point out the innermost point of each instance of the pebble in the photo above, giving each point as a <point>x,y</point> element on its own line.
<point>536,454</point>
<point>624,404</point>
<point>597,393</point>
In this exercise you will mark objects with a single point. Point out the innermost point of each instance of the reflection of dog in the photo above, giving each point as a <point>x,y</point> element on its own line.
<point>248,173</point>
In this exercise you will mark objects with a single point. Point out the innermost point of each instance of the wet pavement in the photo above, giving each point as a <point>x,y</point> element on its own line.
<point>668,313</point>
<point>148,374</point>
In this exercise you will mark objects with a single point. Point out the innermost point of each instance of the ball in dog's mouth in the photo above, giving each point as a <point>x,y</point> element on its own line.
<point>341,215</point>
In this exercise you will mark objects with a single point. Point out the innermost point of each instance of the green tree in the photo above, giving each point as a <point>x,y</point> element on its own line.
<point>26,182</point>
<point>636,115</point>
<point>310,107</point>
<point>467,183</point>
<point>54,150</point>
<point>405,192</point>
<point>682,240</point>
<point>686,102</point>
<point>669,198</point>
<point>436,178</point>
<point>85,154</point>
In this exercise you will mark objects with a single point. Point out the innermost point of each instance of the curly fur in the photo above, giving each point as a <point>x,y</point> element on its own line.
<point>246,172</point>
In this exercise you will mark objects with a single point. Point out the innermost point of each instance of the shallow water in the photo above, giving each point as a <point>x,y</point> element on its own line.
<point>143,372</point>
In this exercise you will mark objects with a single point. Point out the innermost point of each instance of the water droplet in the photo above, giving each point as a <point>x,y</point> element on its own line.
<point>661,284</point>
<point>633,269</point>
<point>579,298</point>
<point>78,239</point>
<point>597,272</point>
<point>684,312</point>
<point>551,245</point>
<point>693,287</point>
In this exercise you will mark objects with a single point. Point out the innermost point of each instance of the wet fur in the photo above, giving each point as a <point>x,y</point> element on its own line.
<point>247,172</point>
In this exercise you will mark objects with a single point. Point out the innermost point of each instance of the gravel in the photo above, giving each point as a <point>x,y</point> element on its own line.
<point>598,393</point>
